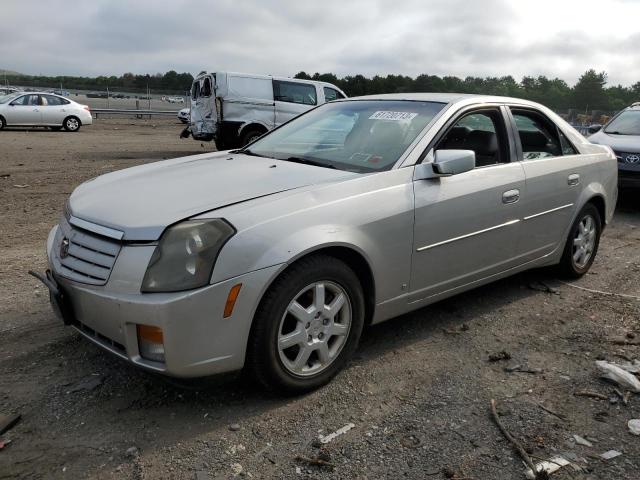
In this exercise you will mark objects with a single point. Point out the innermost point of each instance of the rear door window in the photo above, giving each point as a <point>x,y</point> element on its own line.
<point>206,87</point>
<point>53,101</point>
<point>293,92</point>
<point>539,136</point>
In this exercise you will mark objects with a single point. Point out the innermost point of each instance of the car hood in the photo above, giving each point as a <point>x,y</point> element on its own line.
<point>142,201</point>
<point>620,143</point>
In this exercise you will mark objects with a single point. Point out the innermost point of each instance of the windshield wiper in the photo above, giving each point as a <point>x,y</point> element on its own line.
<point>308,161</point>
<point>615,132</point>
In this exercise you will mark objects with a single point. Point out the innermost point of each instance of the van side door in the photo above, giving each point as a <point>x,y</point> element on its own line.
<point>293,98</point>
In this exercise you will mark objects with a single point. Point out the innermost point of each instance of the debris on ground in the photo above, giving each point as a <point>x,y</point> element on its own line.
<point>498,356</point>
<point>523,369</point>
<point>618,375</point>
<point>132,452</point>
<point>4,443</point>
<point>455,331</point>
<point>326,439</point>
<point>543,287</point>
<point>5,175</point>
<point>237,469</point>
<point>323,459</point>
<point>546,468</point>
<point>22,186</point>
<point>7,422</point>
<point>234,427</point>
<point>610,454</point>
<point>634,426</point>
<point>551,412</point>
<point>537,474</point>
<point>87,384</point>
<point>587,393</point>
<point>582,441</point>
<point>631,367</point>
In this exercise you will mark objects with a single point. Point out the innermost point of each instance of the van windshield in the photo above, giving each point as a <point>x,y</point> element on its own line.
<point>360,135</point>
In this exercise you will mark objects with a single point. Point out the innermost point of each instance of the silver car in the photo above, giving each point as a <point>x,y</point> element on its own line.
<point>274,257</point>
<point>35,109</point>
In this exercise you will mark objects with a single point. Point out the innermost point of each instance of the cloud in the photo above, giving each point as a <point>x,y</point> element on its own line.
<point>409,37</point>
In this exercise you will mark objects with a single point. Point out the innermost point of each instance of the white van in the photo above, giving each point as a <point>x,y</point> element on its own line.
<point>234,109</point>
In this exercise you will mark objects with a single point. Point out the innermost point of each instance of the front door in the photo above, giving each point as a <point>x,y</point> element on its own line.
<point>292,99</point>
<point>466,225</point>
<point>25,110</point>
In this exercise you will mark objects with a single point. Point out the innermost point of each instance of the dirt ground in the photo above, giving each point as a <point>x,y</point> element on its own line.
<point>418,391</point>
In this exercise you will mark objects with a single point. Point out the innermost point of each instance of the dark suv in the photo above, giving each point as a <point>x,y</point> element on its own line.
<point>622,134</point>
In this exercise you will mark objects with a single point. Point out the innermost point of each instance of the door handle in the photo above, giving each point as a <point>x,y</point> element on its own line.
<point>511,196</point>
<point>573,179</point>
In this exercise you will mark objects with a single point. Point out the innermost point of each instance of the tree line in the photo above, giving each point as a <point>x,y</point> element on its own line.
<point>588,94</point>
<point>169,82</point>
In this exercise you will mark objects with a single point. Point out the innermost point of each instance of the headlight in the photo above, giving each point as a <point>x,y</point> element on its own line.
<point>185,256</point>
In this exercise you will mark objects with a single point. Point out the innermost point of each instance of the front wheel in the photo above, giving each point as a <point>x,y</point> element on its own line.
<point>71,124</point>
<point>2,122</point>
<point>582,243</point>
<point>307,326</point>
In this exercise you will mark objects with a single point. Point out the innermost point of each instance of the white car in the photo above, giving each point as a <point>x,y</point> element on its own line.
<point>40,109</point>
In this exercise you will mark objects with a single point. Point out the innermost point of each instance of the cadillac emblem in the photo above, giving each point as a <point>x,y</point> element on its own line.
<point>64,248</point>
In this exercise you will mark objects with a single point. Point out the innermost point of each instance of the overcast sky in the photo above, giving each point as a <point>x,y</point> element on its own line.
<point>443,37</point>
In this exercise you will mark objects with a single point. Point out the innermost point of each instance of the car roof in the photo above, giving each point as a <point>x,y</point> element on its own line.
<point>466,98</point>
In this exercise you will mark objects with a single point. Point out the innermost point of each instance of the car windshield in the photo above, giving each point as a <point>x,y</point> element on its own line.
<point>359,135</point>
<point>627,123</point>
<point>8,98</point>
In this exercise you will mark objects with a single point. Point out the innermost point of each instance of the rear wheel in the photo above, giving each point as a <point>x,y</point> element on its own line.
<point>582,243</point>
<point>3,123</point>
<point>251,135</point>
<point>307,326</point>
<point>71,124</point>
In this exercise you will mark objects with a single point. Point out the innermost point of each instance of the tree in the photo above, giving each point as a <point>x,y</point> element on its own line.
<point>589,93</point>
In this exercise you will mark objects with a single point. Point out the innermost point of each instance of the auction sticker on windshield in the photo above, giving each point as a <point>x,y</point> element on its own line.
<point>383,115</point>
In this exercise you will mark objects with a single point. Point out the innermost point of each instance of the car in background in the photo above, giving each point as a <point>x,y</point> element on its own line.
<point>175,99</point>
<point>274,257</point>
<point>622,134</point>
<point>184,115</point>
<point>43,110</point>
<point>234,109</point>
<point>8,90</point>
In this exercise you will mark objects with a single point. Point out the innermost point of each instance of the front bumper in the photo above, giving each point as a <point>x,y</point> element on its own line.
<point>198,340</point>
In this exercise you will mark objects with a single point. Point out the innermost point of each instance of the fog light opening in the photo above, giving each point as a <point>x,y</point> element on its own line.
<point>151,343</point>
<point>231,300</point>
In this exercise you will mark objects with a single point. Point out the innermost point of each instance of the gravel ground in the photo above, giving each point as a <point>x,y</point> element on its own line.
<point>418,392</point>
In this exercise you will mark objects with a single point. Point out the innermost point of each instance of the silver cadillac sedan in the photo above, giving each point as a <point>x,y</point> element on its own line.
<point>274,257</point>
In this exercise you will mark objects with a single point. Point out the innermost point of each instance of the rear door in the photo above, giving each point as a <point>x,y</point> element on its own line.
<point>467,225</point>
<point>54,109</point>
<point>554,176</point>
<point>292,99</point>
<point>25,110</point>
<point>203,107</point>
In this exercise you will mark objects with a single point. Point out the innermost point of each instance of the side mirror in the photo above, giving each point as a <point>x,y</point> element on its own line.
<point>446,163</point>
<point>594,128</point>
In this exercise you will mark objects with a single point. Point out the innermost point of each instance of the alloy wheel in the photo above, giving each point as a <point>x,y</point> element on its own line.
<point>314,328</point>
<point>584,241</point>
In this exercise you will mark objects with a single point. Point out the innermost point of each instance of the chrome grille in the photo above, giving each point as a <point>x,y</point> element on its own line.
<point>85,257</point>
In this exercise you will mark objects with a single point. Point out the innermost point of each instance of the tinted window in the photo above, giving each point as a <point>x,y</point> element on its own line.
<point>54,101</point>
<point>538,135</point>
<point>627,123</point>
<point>359,136</point>
<point>331,94</point>
<point>195,90</point>
<point>294,92</point>
<point>484,133</point>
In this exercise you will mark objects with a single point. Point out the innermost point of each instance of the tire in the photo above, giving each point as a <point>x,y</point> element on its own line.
<point>71,124</point>
<point>3,123</point>
<point>250,136</point>
<point>319,345</point>
<point>582,243</point>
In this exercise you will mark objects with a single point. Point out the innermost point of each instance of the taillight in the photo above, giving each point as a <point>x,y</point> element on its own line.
<point>86,107</point>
